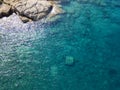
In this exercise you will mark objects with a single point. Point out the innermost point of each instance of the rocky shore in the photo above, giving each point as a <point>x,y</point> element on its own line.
<point>30,10</point>
<point>34,10</point>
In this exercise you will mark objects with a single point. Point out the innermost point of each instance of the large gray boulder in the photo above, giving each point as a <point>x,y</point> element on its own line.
<point>30,10</point>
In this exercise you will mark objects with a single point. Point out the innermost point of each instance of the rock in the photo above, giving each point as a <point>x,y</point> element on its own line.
<point>69,60</point>
<point>30,10</point>
<point>0,1</point>
<point>16,84</point>
<point>4,10</point>
<point>53,70</point>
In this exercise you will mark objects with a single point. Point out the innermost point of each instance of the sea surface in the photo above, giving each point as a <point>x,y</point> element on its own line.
<point>78,51</point>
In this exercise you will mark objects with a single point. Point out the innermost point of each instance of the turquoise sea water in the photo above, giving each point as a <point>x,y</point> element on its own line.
<point>33,55</point>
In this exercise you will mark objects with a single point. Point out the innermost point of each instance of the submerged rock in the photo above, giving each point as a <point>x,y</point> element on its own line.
<point>69,60</point>
<point>54,70</point>
<point>30,10</point>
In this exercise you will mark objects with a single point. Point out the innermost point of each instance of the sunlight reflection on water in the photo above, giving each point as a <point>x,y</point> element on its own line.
<point>14,33</point>
<point>32,55</point>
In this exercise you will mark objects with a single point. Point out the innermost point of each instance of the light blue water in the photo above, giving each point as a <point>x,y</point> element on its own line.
<point>33,55</point>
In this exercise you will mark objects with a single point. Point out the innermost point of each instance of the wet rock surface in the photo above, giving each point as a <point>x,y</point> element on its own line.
<point>29,10</point>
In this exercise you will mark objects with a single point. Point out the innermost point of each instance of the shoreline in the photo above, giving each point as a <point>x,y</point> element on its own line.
<point>30,10</point>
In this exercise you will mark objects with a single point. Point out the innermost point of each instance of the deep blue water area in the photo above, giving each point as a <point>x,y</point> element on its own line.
<point>78,51</point>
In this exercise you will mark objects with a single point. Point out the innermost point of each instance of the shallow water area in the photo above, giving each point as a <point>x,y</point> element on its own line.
<point>33,55</point>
